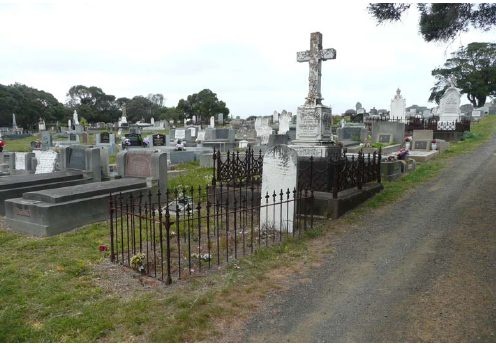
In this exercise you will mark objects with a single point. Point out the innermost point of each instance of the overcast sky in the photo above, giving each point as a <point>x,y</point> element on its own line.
<point>244,51</point>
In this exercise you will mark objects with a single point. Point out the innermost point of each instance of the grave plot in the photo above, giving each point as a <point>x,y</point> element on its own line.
<point>53,211</point>
<point>186,231</point>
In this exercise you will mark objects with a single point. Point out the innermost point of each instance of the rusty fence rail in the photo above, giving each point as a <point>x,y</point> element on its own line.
<point>189,231</point>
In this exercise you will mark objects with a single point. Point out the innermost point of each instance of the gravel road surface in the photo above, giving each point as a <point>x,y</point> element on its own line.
<point>421,269</point>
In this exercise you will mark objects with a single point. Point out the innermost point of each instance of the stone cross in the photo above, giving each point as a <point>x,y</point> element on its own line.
<point>315,56</point>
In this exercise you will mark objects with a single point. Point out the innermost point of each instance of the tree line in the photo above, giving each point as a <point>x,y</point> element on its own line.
<point>94,105</point>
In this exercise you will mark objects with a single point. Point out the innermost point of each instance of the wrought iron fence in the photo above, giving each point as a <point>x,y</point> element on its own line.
<point>236,169</point>
<point>422,124</point>
<point>336,175</point>
<point>186,231</point>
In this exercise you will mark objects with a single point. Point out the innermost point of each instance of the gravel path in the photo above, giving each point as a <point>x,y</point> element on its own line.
<point>422,269</point>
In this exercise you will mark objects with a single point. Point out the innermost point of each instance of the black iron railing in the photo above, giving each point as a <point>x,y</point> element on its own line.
<point>187,231</point>
<point>338,174</point>
<point>237,169</point>
<point>422,124</point>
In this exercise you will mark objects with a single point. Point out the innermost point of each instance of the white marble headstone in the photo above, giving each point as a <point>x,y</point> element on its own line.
<point>398,106</point>
<point>180,134</point>
<point>279,173</point>
<point>46,161</point>
<point>201,136</point>
<point>20,161</point>
<point>284,121</point>
<point>275,117</point>
<point>449,105</point>
<point>212,122</point>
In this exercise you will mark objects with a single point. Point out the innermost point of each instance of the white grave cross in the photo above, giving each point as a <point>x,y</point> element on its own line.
<point>315,56</point>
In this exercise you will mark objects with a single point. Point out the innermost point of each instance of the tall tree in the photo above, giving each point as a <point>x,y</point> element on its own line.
<point>474,69</point>
<point>29,105</point>
<point>141,108</point>
<point>93,104</point>
<point>202,105</point>
<point>157,99</point>
<point>440,21</point>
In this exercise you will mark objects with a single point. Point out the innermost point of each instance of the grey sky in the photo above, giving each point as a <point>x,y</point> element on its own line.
<point>245,51</point>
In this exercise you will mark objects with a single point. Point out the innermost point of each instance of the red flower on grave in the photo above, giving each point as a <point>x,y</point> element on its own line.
<point>103,248</point>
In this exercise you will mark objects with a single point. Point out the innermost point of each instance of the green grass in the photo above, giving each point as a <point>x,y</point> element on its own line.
<point>20,145</point>
<point>195,176</point>
<point>50,292</point>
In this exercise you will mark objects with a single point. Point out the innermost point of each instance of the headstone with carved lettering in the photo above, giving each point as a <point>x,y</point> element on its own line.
<point>144,163</point>
<point>279,175</point>
<point>313,119</point>
<point>106,139</point>
<point>313,122</point>
<point>449,105</point>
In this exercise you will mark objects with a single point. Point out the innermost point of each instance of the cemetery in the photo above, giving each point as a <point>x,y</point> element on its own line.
<point>174,194</point>
<point>340,165</point>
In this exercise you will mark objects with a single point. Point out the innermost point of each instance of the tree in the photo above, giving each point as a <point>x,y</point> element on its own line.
<point>440,21</point>
<point>140,108</point>
<point>29,105</point>
<point>93,104</point>
<point>202,105</point>
<point>474,68</point>
<point>157,99</point>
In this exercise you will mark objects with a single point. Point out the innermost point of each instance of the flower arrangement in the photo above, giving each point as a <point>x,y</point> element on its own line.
<point>138,261</point>
<point>434,141</point>
<point>408,139</point>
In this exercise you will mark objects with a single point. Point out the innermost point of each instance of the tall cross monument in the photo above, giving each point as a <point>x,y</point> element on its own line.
<point>314,57</point>
<point>313,120</point>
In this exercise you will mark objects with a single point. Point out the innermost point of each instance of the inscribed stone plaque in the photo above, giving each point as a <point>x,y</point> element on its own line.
<point>138,165</point>
<point>180,134</point>
<point>158,140</point>
<point>105,137</point>
<point>450,101</point>
<point>279,173</point>
<point>308,123</point>
<point>384,138</point>
<point>20,161</point>
<point>420,145</point>
<point>72,137</point>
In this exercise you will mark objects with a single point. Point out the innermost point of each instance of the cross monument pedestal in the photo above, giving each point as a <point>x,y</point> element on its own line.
<point>313,119</point>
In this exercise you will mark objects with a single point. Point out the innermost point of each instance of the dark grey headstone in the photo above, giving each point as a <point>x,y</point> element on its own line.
<point>76,158</point>
<point>159,140</point>
<point>105,137</point>
<point>385,138</point>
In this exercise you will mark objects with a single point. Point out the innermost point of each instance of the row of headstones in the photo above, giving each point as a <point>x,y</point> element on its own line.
<point>92,160</point>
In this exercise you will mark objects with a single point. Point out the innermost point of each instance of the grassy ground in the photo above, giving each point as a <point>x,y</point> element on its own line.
<point>63,289</point>
<point>20,145</point>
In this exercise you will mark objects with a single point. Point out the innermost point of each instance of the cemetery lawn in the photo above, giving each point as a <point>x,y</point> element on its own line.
<point>20,145</point>
<point>63,288</point>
